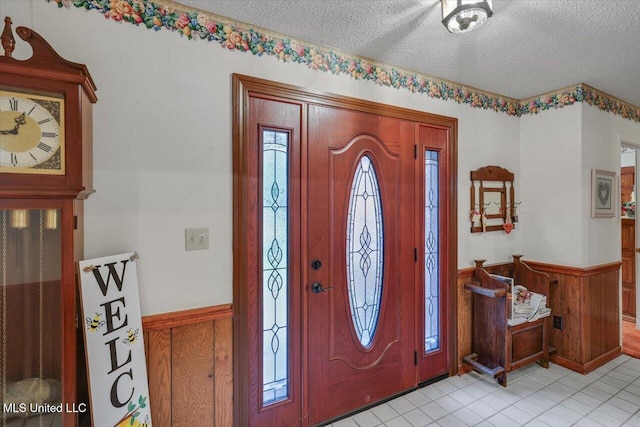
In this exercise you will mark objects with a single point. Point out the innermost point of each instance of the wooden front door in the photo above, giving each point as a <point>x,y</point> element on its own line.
<point>361,261</point>
<point>331,250</point>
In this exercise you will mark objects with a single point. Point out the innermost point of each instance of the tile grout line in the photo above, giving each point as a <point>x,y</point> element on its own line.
<point>453,387</point>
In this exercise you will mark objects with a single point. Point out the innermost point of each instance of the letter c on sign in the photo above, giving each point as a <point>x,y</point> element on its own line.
<point>114,390</point>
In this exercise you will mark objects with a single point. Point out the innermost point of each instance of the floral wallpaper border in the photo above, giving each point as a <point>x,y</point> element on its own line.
<point>240,37</point>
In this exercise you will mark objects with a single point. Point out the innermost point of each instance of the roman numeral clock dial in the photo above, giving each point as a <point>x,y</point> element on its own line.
<point>31,134</point>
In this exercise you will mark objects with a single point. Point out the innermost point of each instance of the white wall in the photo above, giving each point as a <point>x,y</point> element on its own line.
<point>601,235</point>
<point>486,139</point>
<point>551,213</point>
<point>559,149</point>
<point>601,150</point>
<point>163,159</point>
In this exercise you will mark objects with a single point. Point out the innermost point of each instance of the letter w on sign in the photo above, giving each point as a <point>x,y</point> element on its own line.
<point>118,278</point>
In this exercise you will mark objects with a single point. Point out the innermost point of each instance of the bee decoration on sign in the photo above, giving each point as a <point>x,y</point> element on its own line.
<point>94,324</point>
<point>132,336</point>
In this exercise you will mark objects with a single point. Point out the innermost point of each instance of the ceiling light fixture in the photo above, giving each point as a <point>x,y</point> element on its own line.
<point>461,16</point>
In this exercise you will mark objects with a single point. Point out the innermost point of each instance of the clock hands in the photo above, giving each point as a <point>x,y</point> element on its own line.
<point>20,120</point>
<point>13,131</point>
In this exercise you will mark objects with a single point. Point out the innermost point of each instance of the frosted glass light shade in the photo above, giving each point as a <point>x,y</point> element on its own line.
<point>461,16</point>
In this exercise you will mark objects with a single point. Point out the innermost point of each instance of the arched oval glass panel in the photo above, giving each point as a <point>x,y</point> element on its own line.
<point>365,251</point>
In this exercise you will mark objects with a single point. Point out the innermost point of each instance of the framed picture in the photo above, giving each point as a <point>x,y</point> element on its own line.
<point>603,194</point>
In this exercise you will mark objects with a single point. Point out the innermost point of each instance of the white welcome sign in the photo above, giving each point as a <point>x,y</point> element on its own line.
<point>113,339</point>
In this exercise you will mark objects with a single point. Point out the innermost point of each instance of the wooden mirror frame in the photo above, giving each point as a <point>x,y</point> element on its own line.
<point>499,176</point>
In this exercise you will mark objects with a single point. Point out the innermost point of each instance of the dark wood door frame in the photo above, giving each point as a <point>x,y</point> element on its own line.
<point>436,138</point>
<point>243,88</point>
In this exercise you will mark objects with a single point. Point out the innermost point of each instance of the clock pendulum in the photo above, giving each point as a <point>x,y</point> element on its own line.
<point>40,300</point>
<point>3,379</point>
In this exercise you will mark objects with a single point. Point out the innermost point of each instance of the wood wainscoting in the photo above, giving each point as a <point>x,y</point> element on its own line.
<point>190,366</point>
<point>586,299</point>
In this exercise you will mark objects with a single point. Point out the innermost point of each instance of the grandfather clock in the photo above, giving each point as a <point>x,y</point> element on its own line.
<point>45,174</point>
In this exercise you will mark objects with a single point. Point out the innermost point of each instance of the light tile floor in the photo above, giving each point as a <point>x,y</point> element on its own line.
<point>535,397</point>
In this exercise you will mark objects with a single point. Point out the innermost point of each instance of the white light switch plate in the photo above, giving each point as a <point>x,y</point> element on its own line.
<point>196,239</point>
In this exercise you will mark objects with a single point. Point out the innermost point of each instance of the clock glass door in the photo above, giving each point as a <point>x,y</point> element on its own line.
<point>30,308</point>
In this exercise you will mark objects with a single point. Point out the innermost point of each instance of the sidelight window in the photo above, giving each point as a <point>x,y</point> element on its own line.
<point>275,265</point>
<point>431,253</point>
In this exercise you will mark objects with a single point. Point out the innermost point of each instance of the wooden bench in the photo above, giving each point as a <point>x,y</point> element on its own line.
<point>497,347</point>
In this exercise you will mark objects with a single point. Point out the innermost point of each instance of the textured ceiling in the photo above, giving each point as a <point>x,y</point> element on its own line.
<point>526,49</point>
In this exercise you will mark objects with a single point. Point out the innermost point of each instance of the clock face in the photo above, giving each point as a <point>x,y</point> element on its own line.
<point>31,134</point>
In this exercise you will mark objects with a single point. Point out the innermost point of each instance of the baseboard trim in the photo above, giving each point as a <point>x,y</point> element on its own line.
<point>592,365</point>
<point>602,359</point>
<point>464,369</point>
<point>566,363</point>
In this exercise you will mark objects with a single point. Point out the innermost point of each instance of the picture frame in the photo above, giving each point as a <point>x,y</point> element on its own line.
<point>603,194</point>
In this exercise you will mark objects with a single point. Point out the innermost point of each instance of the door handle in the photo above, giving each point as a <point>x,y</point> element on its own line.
<point>316,288</point>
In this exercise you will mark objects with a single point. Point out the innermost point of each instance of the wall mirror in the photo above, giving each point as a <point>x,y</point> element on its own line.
<point>492,199</point>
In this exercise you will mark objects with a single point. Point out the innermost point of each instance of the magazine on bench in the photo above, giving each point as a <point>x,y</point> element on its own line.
<point>526,306</point>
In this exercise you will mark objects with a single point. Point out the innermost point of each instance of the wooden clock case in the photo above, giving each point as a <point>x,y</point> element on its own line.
<point>41,319</point>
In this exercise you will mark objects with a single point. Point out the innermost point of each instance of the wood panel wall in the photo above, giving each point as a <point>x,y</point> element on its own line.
<point>190,367</point>
<point>587,299</point>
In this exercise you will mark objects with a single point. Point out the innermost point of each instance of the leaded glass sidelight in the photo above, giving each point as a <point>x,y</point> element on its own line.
<point>365,251</point>
<point>275,265</point>
<point>431,254</point>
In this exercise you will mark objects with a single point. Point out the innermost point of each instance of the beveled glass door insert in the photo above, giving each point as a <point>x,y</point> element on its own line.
<point>365,251</point>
